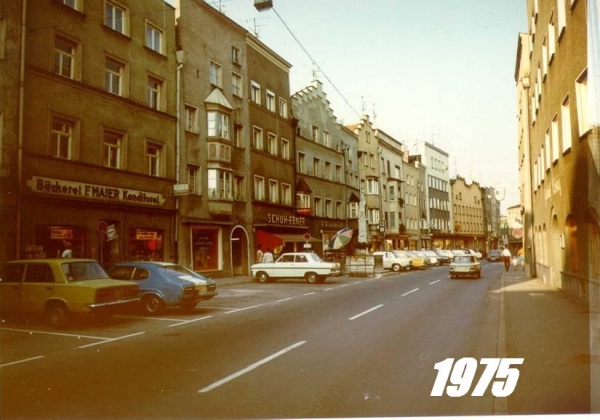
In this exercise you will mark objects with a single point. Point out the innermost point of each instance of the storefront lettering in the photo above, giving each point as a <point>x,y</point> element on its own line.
<point>282,219</point>
<point>92,191</point>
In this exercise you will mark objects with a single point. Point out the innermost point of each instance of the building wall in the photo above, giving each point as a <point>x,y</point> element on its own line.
<point>467,208</point>
<point>71,193</point>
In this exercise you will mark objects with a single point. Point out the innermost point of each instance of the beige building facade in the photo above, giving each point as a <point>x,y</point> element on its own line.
<point>468,214</point>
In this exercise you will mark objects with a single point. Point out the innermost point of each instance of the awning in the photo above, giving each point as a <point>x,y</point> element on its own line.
<point>294,237</point>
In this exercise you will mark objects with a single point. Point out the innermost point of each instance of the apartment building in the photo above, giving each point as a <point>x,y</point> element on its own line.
<point>327,170</point>
<point>414,200</point>
<point>98,130</point>
<point>468,214</point>
<point>557,143</point>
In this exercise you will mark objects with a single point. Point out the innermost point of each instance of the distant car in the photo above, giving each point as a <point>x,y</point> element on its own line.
<point>427,258</point>
<point>473,252</point>
<point>465,265</point>
<point>417,262</point>
<point>495,255</point>
<point>393,261</point>
<point>165,284</point>
<point>306,265</point>
<point>444,255</point>
<point>434,259</point>
<point>61,287</point>
<point>458,252</point>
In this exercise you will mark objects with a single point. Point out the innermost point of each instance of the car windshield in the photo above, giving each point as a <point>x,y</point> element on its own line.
<point>83,270</point>
<point>314,257</point>
<point>401,254</point>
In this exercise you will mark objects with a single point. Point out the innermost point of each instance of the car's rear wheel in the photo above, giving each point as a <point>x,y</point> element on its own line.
<point>311,278</point>
<point>396,267</point>
<point>188,306</point>
<point>152,304</point>
<point>262,277</point>
<point>58,315</point>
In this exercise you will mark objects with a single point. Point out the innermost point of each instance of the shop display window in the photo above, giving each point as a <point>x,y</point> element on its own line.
<point>205,249</point>
<point>146,245</point>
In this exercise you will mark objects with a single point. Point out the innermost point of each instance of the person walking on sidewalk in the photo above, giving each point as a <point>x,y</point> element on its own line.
<point>259,254</point>
<point>520,259</point>
<point>268,256</point>
<point>506,257</point>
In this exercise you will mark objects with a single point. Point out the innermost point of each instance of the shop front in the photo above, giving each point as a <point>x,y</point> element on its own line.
<point>107,223</point>
<point>283,232</point>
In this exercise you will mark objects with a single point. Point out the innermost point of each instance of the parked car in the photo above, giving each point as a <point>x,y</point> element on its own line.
<point>494,255</point>
<point>473,252</point>
<point>458,252</point>
<point>165,284</point>
<point>393,261</point>
<point>465,265</point>
<point>416,262</point>
<point>434,259</point>
<point>444,255</point>
<point>61,287</point>
<point>427,258</point>
<point>306,265</point>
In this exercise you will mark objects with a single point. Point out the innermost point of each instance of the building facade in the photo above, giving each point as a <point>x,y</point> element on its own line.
<point>468,214</point>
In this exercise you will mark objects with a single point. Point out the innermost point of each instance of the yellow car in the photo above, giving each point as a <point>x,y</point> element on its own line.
<point>416,262</point>
<point>61,287</point>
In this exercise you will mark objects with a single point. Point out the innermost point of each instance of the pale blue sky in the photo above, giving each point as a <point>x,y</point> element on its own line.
<point>435,70</point>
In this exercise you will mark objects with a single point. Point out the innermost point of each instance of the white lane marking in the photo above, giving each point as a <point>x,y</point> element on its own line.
<point>190,320</point>
<point>308,294</point>
<point>365,312</point>
<point>250,368</point>
<point>283,300</point>
<point>246,308</point>
<point>408,293</point>
<point>111,339</point>
<point>434,282</point>
<point>335,287</point>
<point>55,333</point>
<point>357,282</point>
<point>150,318</point>
<point>22,361</point>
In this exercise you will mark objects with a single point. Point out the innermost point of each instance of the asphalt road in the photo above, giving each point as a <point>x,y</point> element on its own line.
<point>351,347</point>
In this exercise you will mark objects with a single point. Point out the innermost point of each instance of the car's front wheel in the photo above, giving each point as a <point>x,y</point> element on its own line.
<point>311,278</point>
<point>153,305</point>
<point>396,267</point>
<point>262,277</point>
<point>58,315</point>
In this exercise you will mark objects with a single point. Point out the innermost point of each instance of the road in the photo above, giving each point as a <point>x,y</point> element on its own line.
<point>351,347</point>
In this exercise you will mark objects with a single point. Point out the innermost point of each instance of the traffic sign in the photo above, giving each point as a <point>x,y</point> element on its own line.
<point>307,236</point>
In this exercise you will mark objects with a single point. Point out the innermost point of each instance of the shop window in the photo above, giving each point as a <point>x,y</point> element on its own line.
<point>205,248</point>
<point>146,245</point>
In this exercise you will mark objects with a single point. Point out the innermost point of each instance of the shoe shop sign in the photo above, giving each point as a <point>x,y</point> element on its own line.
<point>82,190</point>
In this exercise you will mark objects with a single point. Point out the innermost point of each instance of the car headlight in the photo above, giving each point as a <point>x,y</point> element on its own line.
<point>189,292</point>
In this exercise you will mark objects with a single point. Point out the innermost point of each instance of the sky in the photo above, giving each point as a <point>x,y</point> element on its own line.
<point>440,71</point>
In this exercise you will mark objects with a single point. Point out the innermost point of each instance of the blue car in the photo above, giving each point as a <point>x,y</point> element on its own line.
<point>165,284</point>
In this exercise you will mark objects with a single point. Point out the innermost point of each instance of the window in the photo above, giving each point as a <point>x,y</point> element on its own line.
<point>220,184</point>
<point>329,208</point>
<point>548,148</point>
<point>392,219</point>
<point>218,124</point>
<point>285,149</point>
<point>272,144</point>
<point>235,55</point>
<point>236,85</point>
<point>392,193</point>
<point>315,133</point>
<point>317,167</point>
<point>301,163</point>
<point>192,179</point>
<point>270,101</point>
<point>554,135</point>
<point>238,133</point>
<point>61,138</point>
<point>283,111</point>
<point>113,75</point>
<point>112,144</point>
<point>255,92</point>
<point>565,115</point>
<point>303,202</point>
<point>328,174</point>
<point>64,56</point>
<point>318,207</point>
<point>561,11</point>
<point>191,118</point>
<point>551,42</point>
<point>372,186</point>
<point>326,139</point>
<point>257,138</point>
<point>273,191</point>
<point>115,17</point>
<point>338,173</point>
<point>259,188</point>
<point>153,157</point>
<point>238,188</point>
<point>581,91</point>
<point>338,210</point>
<point>286,194</point>
<point>373,216</point>
<point>154,92</point>
<point>154,38</point>
<point>215,74</point>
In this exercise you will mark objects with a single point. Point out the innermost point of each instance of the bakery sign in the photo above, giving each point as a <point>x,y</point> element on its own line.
<point>70,189</point>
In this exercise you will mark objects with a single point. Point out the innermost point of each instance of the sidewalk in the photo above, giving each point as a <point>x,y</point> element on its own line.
<point>551,333</point>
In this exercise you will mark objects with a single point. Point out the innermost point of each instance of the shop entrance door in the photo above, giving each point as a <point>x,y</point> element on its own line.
<point>239,252</point>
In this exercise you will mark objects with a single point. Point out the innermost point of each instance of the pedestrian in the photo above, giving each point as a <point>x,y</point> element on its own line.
<point>67,253</point>
<point>520,259</point>
<point>506,257</point>
<point>259,254</point>
<point>268,256</point>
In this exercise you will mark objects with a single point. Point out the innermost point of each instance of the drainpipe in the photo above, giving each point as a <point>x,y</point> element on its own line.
<point>180,56</point>
<point>19,219</point>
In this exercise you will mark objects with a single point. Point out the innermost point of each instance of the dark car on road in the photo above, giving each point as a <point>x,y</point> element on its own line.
<point>165,284</point>
<point>494,255</point>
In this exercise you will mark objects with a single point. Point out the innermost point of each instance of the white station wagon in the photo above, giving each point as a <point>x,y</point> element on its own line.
<point>306,265</point>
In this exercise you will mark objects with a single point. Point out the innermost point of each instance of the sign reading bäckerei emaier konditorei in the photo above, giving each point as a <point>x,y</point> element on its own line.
<point>71,189</point>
